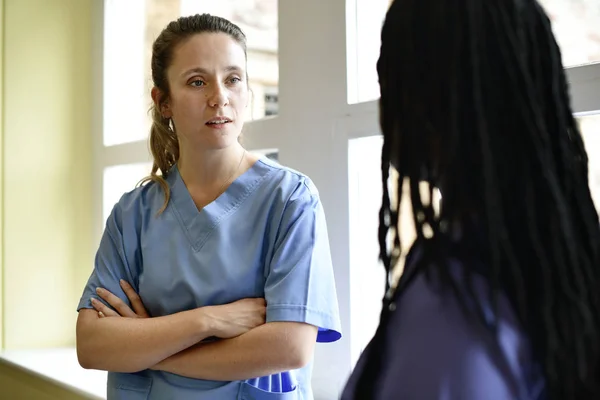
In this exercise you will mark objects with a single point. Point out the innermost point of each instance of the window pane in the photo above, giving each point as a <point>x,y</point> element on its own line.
<point>590,130</point>
<point>576,25</point>
<point>367,274</point>
<point>363,28</point>
<point>125,100</point>
<point>118,180</point>
<point>366,271</point>
<point>132,26</point>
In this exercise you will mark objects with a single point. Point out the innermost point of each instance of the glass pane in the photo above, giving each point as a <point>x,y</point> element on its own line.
<point>125,98</point>
<point>590,130</point>
<point>118,180</point>
<point>129,31</point>
<point>576,25</point>
<point>363,25</point>
<point>366,272</point>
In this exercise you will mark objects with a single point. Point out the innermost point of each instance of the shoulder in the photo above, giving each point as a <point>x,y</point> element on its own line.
<point>144,199</point>
<point>290,183</point>
<point>428,331</point>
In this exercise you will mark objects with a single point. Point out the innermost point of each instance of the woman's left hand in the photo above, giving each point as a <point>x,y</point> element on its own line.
<point>122,309</point>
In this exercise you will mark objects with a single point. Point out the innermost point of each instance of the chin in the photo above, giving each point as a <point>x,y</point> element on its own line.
<point>221,140</point>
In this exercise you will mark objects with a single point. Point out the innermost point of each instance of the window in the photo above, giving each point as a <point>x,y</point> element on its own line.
<point>364,19</point>
<point>575,24</point>
<point>125,98</point>
<point>590,130</point>
<point>271,100</point>
<point>367,272</point>
<point>118,180</point>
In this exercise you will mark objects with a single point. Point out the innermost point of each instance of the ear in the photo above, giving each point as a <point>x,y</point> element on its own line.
<point>161,103</point>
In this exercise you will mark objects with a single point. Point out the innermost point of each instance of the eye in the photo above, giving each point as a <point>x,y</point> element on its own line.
<point>235,79</point>
<point>197,83</point>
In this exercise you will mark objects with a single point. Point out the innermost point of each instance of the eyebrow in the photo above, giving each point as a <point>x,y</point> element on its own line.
<point>199,70</point>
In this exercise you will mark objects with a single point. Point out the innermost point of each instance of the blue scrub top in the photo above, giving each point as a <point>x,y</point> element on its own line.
<point>265,236</point>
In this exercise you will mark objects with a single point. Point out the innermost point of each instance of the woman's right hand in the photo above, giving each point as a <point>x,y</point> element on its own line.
<point>230,320</point>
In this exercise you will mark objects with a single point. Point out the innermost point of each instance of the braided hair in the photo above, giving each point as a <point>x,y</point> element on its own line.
<point>474,99</point>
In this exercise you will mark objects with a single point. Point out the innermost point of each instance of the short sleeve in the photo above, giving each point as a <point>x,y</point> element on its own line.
<point>300,285</point>
<point>111,263</point>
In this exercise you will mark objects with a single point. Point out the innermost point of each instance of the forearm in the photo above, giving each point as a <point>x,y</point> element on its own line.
<point>268,349</point>
<point>134,344</point>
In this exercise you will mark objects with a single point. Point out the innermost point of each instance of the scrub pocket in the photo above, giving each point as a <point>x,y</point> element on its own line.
<point>249,392</point>
<point>128,387</point>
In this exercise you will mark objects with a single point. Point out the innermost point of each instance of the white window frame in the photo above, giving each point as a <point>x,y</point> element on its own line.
<point>312,133</point>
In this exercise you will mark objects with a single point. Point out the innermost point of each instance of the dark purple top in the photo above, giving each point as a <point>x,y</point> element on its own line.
<point>432,351</point>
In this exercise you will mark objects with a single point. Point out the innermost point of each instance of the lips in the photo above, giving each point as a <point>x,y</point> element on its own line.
<point>218,121</point>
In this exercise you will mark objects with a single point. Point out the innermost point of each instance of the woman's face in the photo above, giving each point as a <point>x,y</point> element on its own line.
<point>208,91</point>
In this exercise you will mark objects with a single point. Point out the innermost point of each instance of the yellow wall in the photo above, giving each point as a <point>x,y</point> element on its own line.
<point>1,174</point>
<point>47,167</point>
<point>45,188</point>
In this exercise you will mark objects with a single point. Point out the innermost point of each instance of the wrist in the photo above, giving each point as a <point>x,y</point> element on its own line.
<point>205,324</point>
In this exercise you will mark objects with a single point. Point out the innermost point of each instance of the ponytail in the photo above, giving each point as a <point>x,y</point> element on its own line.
<point>164,147</point>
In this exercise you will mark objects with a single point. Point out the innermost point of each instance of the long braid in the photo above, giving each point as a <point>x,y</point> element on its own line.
<point>485,81</point>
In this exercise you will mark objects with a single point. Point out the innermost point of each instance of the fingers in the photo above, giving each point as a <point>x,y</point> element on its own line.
<point>263,315</point>
<point>260,307</point>
<point>134,298</point>
<point>103,310</point>
<point>118,304</point>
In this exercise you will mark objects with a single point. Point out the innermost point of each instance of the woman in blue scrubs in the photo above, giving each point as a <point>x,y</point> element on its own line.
<point>214,279</point>
<point>500,294</point>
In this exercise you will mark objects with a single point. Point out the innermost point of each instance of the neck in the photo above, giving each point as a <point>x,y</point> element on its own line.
<point>209,168</point>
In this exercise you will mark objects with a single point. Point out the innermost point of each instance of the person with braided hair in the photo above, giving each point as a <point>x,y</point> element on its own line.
<point>500,293</point>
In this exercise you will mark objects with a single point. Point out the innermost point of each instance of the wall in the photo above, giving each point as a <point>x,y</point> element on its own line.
<point>47,167</point>
<point>45,190</point>
<point>1,174</point>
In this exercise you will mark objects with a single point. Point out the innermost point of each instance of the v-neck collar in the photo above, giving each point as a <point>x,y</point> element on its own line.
<point>199,224</point>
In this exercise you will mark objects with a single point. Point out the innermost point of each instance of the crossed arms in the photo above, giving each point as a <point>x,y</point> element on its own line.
<point>122,339</point>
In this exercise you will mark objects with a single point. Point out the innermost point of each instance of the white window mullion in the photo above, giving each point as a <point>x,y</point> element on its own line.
<point>360,120</point>
<point>584,82</point>
<point>127,153</point>
<point>312,96</point>
<point>262,134</point>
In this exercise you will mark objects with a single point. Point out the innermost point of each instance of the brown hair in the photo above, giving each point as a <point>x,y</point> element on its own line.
<point>164,144</point>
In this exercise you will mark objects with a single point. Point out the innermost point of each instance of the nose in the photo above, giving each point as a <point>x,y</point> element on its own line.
<point>218,97</point>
